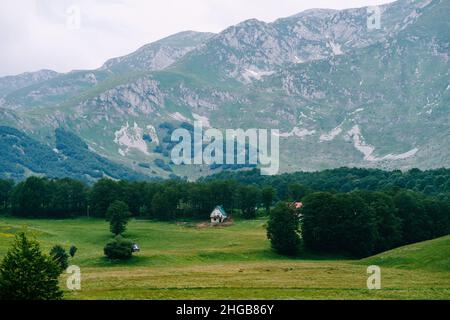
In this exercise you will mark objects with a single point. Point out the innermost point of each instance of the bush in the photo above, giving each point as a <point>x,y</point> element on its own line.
<point>283,229</point>
<point>27,274</point>
<point>119,249</point>
<point>60,256</point>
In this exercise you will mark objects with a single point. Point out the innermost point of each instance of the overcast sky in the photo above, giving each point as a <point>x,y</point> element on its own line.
<point>47,34</point>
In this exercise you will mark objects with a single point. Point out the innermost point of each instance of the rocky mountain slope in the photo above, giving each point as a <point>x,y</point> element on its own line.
<point>60,89</point>
<point>341,94</point>
<point>10,84</point>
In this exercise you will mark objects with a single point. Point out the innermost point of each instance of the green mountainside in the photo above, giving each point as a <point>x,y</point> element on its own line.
<point>23,156</point>
<point>340,94</point>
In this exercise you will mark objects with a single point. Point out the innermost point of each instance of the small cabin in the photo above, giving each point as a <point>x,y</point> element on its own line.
<point>218,215</point>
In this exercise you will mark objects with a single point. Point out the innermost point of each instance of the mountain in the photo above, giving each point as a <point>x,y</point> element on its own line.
<point>61,89</point>
<point>340,93</point>
<point>12,83</point>
<point>24,156</point>
<point>158,55</point>
<point>254,48</point>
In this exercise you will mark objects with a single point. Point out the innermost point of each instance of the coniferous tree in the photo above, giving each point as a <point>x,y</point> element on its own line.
<point>72,251</point>
<point>118,216</point>
<point>27,274</point>
<point>59,254</point>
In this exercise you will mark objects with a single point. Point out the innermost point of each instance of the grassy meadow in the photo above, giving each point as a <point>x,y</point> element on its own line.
<point>186,261</point>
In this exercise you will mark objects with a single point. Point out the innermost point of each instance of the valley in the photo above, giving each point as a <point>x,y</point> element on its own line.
<point>236,262</point>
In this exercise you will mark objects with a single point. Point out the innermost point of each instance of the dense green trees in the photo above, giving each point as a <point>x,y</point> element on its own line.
<point>165,204</point>
<point>283,229</point>
<point>68,198</point>
<point>296,192</point>
<point>6,187</point>
<point>414,218</point>
<point>249,197</point>
<point>364,223</point>
<point>387,222</point>
<point>356,225</point>
<point>268,195</point>
<point>102,194</point>
<point>318,222</point>
<point>346,180</point>
<point>31,197</point>
<point>27,274</point>
<point>40,197</point>
<point>351,211</point>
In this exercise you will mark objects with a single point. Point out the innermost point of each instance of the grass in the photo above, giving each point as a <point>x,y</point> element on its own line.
<point>185,262</point>
<point>432,255</point>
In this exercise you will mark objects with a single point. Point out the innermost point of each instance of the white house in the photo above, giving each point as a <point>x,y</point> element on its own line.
<point>218,215</point>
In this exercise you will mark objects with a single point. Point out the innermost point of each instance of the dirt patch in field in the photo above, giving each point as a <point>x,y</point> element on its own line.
<point>225,224</point>
<point>203,225</point>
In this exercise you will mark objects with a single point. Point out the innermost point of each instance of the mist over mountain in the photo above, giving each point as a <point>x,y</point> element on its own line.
<point>342,94</point>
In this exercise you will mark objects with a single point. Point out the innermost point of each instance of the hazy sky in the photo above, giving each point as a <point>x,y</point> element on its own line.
<point>47,34</point>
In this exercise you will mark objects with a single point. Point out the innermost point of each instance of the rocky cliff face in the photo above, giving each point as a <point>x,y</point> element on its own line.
<point>253,49</point>
<point>158,55</point>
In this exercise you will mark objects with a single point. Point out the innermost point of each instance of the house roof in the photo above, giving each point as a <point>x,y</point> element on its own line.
<point>296,205</point>
<point>221,210</point>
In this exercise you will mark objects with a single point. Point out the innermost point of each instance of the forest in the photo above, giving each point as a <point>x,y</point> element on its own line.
<point>347,211</point>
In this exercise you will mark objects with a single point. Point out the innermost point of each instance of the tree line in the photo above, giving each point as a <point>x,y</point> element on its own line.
<point>360,221</point>
<point>163,200</point>
<point>363,223</point>
<point>241,192</point>
<point>430,182</point>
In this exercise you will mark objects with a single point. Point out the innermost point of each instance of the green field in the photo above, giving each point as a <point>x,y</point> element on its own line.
<point>183,261</point>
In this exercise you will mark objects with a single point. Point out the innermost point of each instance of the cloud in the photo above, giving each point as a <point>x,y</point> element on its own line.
<point>34,33</point>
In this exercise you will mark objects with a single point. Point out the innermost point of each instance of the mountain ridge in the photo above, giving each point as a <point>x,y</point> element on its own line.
<point>375,99</point>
